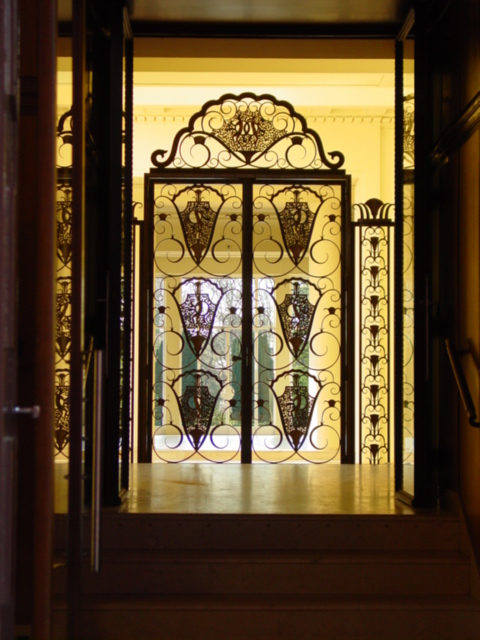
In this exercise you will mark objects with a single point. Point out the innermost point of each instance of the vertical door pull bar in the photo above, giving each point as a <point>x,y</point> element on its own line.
<point>97,462</point>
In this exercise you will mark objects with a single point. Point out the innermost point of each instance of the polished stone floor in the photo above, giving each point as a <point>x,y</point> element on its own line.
<point>255,489</point>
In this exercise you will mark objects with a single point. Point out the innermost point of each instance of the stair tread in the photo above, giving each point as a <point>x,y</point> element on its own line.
<point>421,515</point>
<point>305,556</point>
<point>225,532</point>
<point>224,602</point>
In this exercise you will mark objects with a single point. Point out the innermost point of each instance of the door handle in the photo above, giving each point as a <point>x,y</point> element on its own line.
<point>33,411</point>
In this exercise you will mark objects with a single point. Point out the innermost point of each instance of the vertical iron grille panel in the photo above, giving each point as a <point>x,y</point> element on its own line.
<point>63,303</point>
<point>409,132</point>
<point>297,322</point>
<point>374,245</point>
<point>63,338</point>
<point>124,427</point>
<point>408,429</point>
<point>408,324</point>
<point>197,321</point>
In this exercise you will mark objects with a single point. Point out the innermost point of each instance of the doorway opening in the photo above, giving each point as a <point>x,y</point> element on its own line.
<point>335,99</point>
<point>251,259</point>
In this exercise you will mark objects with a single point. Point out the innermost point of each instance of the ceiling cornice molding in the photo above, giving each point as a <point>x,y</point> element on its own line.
<point>384,120</point>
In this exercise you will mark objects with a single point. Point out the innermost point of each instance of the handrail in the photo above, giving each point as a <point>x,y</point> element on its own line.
<point>97,369</point>
<point>462,385</point>
<point>97,446</point>
<point>87,358</point>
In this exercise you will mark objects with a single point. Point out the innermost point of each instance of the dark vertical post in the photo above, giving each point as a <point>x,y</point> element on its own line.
<point>75,482</point>
<point>127,255</point>
<point>36,311</point>
<point>247,353</point>
<point>136,240</point>
<point>347,453</point>
<point>398,244</point>
<point>44,301</point>
<point>114,194</point>
<point>144,332</point>
<point>145,355</point>
<point>8,309</point>
<point>423,262</point>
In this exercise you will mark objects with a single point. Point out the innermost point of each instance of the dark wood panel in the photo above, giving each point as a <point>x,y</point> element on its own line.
<point>459,131</point>
<point>8,190</point>
<point>318,11</point>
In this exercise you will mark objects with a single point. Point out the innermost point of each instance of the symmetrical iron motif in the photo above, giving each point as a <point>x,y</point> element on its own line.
<point>198,221</point>
<point>247,131</point>
<point>197,404</point>
<point>197,313</point>
<point>296,407</point>
<point>63,309</point>
<point>374,241</point>
<point>296,315</point>
<point>296,223</point>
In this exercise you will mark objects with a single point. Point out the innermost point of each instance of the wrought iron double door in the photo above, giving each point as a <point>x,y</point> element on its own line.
<point>246,320</point>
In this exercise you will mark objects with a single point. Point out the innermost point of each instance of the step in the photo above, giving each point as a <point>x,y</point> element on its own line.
<point>417,532</point>
<point>271,617</point>
<point>276,572</point>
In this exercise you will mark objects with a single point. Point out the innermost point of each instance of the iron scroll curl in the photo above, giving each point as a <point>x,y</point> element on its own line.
<point>247,132</point>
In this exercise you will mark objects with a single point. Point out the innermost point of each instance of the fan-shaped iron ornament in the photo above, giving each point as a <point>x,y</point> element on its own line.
<point>248,131</point>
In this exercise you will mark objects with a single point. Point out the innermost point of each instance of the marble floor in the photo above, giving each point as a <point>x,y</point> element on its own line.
<point>255,489</point>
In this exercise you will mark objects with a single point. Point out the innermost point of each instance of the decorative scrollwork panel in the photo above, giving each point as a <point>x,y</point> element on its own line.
<point>409,132</point>
<point>63,296</point>
<point>297,322</point>
<point>408,325</point>
<point>374,242</point>
<point>197,322</point>
<point>247,131</point>
<point>63,314</point>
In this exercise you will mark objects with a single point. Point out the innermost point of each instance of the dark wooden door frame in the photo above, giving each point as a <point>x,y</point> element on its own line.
<point>424,438</point>
<point>8,190</point>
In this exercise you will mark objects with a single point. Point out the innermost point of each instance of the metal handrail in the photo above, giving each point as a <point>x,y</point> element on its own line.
<point>96,520</point>
<point>87,359</point>
<point>93,362</point>
<point>462,385</point>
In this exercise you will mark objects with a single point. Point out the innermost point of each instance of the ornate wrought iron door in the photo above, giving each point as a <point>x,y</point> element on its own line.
<point>297,321</point>
<point>245,245</point>
<point>197,320</point>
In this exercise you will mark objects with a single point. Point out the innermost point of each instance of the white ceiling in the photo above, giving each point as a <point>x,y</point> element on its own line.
<point>167,82</point>
<point>329,75</point>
